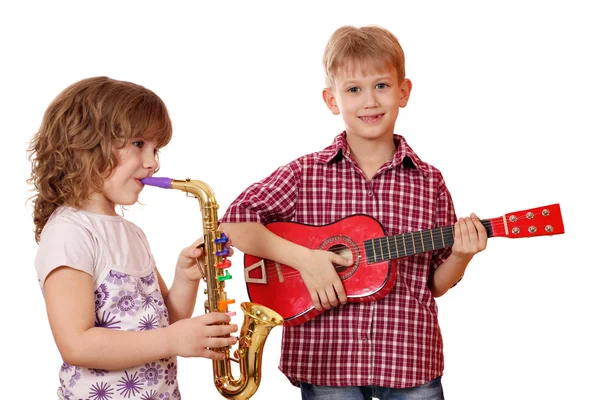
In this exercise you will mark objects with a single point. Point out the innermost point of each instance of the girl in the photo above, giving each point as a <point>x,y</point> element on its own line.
<point>118,327</point>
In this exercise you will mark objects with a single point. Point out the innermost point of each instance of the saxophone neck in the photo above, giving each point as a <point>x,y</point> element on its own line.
<point>206,196</point>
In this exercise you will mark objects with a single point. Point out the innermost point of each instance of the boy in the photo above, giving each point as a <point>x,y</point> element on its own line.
<point>391,348</point>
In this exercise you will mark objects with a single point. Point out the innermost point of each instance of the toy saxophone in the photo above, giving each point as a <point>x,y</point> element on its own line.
<point>258,320</point>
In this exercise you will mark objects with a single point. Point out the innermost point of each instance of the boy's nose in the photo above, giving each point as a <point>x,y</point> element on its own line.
<point>371,99</point>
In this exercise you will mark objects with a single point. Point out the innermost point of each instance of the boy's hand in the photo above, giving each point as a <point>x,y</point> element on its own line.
<point>187,266</point>
<point>470,237</point>
<point>321,279</point>
<point>194,337</point>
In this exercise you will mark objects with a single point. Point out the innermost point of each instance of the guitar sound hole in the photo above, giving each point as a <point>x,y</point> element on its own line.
<point>343,251</point>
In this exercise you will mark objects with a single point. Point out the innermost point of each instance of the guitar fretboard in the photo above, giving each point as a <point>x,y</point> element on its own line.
<point>407,244</point>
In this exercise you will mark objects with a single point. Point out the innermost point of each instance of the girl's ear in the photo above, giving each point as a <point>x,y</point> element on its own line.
<point>329,100</point>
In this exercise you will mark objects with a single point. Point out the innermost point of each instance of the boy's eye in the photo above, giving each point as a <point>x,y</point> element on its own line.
<point>381,85</point>
<point>354,89</point>
<point>138,143</point>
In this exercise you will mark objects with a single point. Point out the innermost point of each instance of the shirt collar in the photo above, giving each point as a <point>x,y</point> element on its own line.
<point>404,154</point>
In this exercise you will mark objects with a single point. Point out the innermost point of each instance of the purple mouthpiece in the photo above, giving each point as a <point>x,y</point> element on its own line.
<point>164,183</point>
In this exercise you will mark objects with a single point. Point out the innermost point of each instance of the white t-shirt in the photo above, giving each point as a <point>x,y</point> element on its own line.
<point>116,254</point>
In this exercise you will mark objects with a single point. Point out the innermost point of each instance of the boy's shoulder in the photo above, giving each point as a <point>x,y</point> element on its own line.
<point>323,156</point>
<point>407,156</point>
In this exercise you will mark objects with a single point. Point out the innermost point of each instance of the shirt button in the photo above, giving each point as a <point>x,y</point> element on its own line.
<point>369,194</point>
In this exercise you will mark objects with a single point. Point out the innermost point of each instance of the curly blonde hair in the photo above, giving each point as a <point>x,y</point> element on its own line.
<point>371,46</point>
<point>73,151</point>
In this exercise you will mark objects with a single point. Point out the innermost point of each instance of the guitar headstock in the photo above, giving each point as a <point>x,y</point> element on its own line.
<point>540,221</point>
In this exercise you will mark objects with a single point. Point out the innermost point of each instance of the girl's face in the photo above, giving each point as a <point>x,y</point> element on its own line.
<point>136,161</point>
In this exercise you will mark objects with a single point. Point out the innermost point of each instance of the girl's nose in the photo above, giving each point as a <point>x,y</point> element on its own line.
<point>150,161</point>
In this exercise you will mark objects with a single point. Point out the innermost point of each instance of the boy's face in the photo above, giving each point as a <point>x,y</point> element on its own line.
<point>367,100</point>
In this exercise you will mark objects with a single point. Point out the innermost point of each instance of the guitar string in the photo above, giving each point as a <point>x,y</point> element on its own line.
<point>271,270</point>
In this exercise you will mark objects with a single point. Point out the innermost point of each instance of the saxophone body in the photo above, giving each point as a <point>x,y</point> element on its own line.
<point>258,320</point>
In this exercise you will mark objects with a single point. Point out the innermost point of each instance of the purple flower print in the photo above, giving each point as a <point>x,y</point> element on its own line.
<point>129,385</point>
<point>75,377</point>
<point>107,321</point>
<point>148,322</point>
<point>164,396</point>
<point>117,278</point>
<point>151,373</point>
<point>147,301</point>
<point>126,303</point>
<point>65,367</point>
<point>66,393</point>
<point>101,295</point>
<point>148,280</point>
<point>176,394</point>
<point>151,395</point>
<point>101,391</point>
<point>98,372</point>
<point>171,373</point>
<point>158,299</point>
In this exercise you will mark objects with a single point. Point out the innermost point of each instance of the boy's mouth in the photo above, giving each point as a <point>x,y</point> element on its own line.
<point>371,118</point>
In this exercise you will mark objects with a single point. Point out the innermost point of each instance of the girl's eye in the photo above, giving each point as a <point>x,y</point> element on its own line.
<point>381,85</point>
<point>354,89</point>
<point>138,143</point>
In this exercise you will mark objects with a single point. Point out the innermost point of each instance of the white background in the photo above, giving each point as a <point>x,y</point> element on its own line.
<point>505,103</point>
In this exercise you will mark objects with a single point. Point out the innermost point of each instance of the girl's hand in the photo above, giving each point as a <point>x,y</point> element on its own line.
<point>194,337</point>
<point>191,261</point>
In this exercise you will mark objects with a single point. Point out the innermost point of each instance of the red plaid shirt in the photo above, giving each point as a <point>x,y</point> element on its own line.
<point>396,341</point>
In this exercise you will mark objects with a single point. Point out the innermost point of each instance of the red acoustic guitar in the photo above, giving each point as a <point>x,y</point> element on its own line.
<point>363,239</point>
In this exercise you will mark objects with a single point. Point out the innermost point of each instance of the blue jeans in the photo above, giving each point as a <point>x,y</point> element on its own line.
<point>431,390</point>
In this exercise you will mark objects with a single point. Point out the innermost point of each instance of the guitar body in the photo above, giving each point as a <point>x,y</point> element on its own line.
<point>281,288</point>
<point>363,239</point>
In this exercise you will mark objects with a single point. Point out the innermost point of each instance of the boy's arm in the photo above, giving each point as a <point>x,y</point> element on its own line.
<point>470,238</point>
<point>315,266</point>
<point>69,296</point>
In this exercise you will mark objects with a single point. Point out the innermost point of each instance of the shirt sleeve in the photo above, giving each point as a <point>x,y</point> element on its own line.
<point>64,244</point>
<point>271,199</point>
<point>445,216</point>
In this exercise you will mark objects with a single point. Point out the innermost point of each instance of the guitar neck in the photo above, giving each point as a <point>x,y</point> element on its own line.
<point>407,244</point>
<point>540,221</point>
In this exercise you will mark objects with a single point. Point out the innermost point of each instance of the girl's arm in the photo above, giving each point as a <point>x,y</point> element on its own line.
<point>180,299</point>
<point>69,296</point>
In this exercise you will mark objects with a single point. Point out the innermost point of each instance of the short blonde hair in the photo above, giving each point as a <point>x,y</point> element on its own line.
<point>370,46</point>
